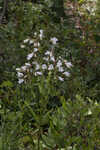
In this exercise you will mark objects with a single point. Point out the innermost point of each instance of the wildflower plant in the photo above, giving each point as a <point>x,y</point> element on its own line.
<point>42,62</point>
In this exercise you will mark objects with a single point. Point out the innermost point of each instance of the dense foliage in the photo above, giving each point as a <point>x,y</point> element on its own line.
<point>49,75</point>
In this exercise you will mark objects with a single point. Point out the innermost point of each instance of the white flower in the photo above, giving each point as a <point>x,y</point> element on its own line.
<point>37,66</point>
<point>52,59</point>
<point>31,41</point>
<point>47,53</point>
<point>35,33</point>
<point>51,67</point>
<point>61,79</point>
<point>96,103</point>
<point>22,46</point>
<point>20,81</point>
<point>28,64</point>
<point>19,74</point>
<point>44,66</point>
<point>35,49</point>
<point>45,58</point>
<point>60,69</point>
<point>24,68</point>
<point>54,40</point>
<point>59,63</point>
<point>38,73</point>
<point>36,44</point>
<point>30,56</point>
<point>66,74</point>
<point>31,70</point>
<point>41,31</point>
<point>35,55</point>
<point>18,69</point>
<point>68,64</point>
<point>89,112</point>
<point>41,34</point>
<point>51,54</point>
<point>25,41</point>
<point>34,62</point>
<point>69,148</point>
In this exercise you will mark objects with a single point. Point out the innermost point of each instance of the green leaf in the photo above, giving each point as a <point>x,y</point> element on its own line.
<point>6,84</point>
<point>35,116</point>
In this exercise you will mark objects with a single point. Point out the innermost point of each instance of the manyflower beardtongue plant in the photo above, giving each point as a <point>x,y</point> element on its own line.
<point>38,66</point>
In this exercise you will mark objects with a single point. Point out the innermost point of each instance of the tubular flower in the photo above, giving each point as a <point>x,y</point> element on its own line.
<point>30,56</point>
<point>54,40</point>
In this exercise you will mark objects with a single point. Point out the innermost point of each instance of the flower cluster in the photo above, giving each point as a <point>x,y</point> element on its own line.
<point>49,63</point>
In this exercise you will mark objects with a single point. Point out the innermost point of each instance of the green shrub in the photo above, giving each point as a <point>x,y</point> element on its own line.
<point>75,125</point>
